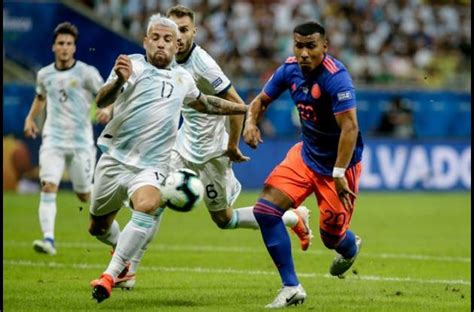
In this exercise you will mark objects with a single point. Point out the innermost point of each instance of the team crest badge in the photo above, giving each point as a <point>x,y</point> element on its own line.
<point>73,83</point>
<point>315,91</point>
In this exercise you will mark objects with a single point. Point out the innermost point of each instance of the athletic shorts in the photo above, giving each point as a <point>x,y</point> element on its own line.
<point>79,162</point>
<point>295,179</point>
<point>221,187</point>
<point>115,183</point>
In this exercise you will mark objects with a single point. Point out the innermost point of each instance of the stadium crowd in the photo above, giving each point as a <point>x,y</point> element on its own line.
<point>413,42</point>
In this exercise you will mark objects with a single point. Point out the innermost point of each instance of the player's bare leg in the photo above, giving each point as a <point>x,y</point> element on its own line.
<point>84,197</point>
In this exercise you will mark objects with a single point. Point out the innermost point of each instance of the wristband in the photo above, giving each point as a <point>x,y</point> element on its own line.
<point>338,172</point>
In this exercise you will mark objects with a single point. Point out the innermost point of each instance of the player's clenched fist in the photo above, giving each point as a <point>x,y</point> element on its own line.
<point>123,67</point>
<point>31,129</point>
<point>252,135</point>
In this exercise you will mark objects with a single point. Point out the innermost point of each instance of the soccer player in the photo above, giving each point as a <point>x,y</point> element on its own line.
<point>66,88</point>
<point>326,162</point>
<point>204,145</point>
<point>147,96</point>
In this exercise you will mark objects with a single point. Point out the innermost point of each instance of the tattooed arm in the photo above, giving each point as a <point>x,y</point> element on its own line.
<point>214,105</point>
<point>109,92</point>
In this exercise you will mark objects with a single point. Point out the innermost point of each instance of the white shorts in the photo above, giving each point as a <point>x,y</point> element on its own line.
<point>221,187</point>
<point>115,183</point>
<point>79,162</point>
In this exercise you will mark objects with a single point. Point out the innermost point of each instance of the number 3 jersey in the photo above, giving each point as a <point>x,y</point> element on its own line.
<point>328,91</point>
<point>146,114</point>
<point>69,95</point>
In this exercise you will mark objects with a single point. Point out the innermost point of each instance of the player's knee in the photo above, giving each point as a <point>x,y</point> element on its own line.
<point>48,187</point>
<point>84,197</point>
<point>146,205</point>
<point>97,230</point>
<point>329,240</point>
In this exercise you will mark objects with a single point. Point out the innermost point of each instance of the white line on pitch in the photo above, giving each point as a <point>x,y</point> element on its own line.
<point>84,266</point>
<point>204,248</point>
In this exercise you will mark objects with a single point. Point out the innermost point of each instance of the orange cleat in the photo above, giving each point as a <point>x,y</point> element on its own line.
<point>102,287</point>
<point>301,229</point>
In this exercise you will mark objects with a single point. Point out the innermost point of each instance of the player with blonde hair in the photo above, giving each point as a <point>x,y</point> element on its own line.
<point>147,95</point>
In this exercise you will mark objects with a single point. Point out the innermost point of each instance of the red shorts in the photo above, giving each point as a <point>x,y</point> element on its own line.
<point>295,179</point>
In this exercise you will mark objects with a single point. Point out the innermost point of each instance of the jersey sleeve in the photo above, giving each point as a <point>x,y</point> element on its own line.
<point>276,85</point>
<point>211,71</point>
<point>40,88</point>
<point>341,90</point>
<point>94,80</point>
<point>192,92</point>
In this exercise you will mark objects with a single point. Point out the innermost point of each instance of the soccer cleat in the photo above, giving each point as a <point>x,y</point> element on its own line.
<point>340,264</point>
<point>124,272</point>
<point>302,229</point>
<point>45,246</point>
<point>102,287</point>
<point>125,282</point>
<point>288,295</point>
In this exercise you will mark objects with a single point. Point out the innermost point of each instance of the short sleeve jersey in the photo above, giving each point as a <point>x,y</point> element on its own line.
<point>146,114</point>
<point>328,91</point>
<point>203,136</point>
<point>69,95</point>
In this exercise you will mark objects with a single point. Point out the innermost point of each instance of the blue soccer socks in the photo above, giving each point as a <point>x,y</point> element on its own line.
<point>276,239</point>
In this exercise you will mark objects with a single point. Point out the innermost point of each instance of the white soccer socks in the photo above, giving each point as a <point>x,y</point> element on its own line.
<point>47,214</point>
<point>130,241</point>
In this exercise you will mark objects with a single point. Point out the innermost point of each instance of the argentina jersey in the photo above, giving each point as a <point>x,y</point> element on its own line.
<point>69,95</point>
<point>327,92</point>
<point>202,136</point>
<point>146,114</point>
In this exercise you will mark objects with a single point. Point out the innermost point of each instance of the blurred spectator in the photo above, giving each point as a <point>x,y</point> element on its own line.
<point>397,121</point>
<point>380,41</point>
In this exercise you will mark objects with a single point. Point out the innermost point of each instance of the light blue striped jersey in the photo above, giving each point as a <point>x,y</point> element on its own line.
<point>69,94</point>
<point>146,114</point>
<point>203,136</point>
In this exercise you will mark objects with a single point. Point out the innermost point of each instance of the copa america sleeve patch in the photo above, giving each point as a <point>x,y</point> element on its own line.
<point>216,82</point>
<point>344,96</point>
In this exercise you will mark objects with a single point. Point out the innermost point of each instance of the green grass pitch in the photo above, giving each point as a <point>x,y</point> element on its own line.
<point>415,257</point>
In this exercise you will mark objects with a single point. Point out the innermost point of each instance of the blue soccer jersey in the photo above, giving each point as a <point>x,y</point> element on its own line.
<point>327,92</point>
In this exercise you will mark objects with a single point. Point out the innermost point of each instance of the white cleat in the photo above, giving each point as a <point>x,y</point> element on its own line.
<point>288,295</point>
<point>44,246</point>
<point>340,264</point>
<point>126,282</point>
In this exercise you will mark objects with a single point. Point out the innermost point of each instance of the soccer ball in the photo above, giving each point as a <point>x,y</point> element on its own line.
<point>182,190</point>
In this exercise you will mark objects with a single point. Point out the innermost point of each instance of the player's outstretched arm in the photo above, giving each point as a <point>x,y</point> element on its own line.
<point>109,92</point>
<point>214,105</point>
<point>347,122</point>
<point>236,123</point>
<point>31,129</point>
<point>252,134</point>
